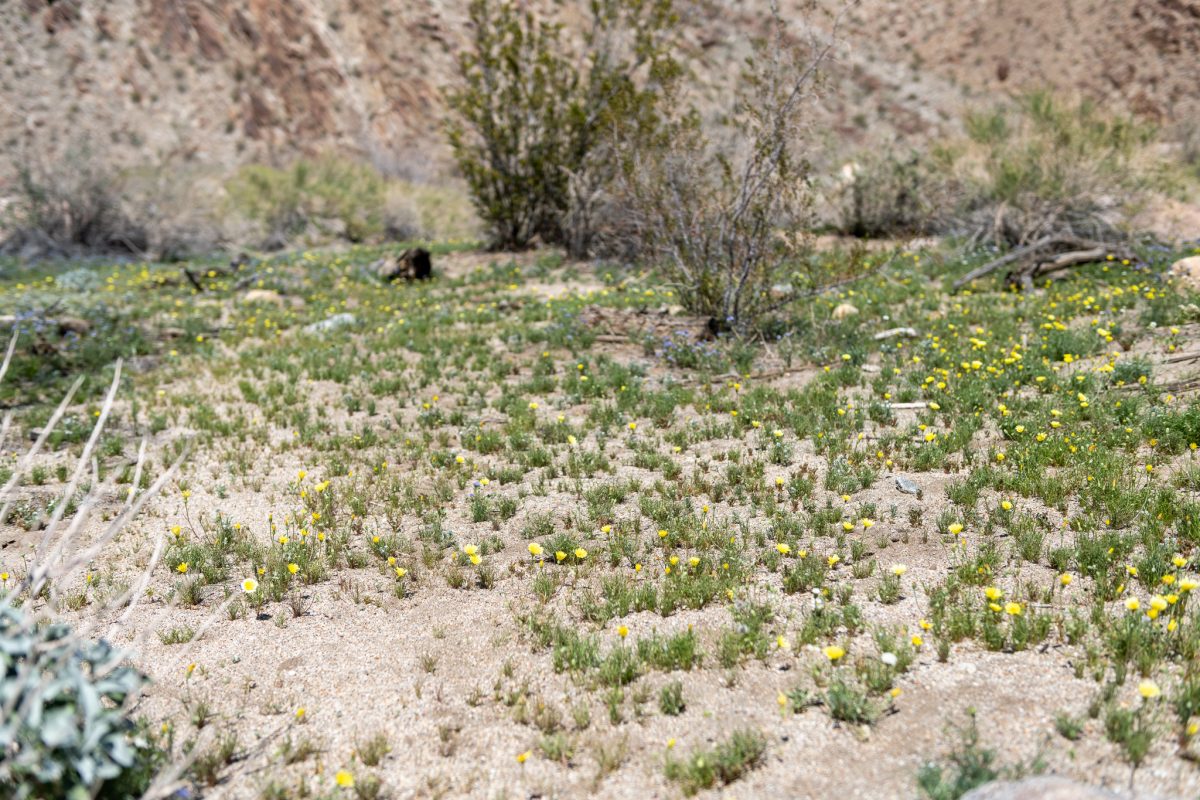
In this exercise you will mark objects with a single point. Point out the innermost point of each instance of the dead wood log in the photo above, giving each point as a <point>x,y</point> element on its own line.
<point>1014,255</point>
<point>1069,259</point>
<point>245,281</point>
<point>413,264</point>
<point>1037,258</point>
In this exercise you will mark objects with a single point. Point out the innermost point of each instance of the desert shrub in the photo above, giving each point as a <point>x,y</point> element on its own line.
<point>1046,166</point>
<point>325,197</point>
<point>64,730</point>
<point>440,212</point>
<point>887,193</point>
<point>535,116</point>
<point>1187,136</point>
<point>69,204</point>
<point>78,204</point>
<point>177,209</point>
<point>729,224</point>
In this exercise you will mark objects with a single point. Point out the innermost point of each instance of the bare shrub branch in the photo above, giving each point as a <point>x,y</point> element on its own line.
<point>728,227</point>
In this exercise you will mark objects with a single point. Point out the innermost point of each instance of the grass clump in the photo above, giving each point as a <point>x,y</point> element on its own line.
<point>720,766</point>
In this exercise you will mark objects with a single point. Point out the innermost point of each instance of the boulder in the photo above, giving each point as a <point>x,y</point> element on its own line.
<point>413,264</point>
<point>1186,273</point>
<point>843,310</point>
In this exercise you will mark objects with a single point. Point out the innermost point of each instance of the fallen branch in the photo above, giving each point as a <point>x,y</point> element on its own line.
<point>193,280</point>
<point>1070,259</point>
<point>1015,255</point>
<point>757,376</point>
<point>1177,387</point>
<point>839,284</point>
<point>246,281</point>
<point>1182,358</point>
<point>1038,262</point>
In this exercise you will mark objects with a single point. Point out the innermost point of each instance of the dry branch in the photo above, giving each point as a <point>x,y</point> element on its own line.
<point>1045,256</point>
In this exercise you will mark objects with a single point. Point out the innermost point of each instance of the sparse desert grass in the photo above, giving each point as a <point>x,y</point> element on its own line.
<point>605,542</point>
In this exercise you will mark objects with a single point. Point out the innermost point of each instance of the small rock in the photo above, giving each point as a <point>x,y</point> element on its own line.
<point>336,322</point>
<point>1042,787</point>
<point>890,332</point>
<point>262,297</point>
<point>1186,273</point>
<point>905,485</point>
<point>843,310</point>
<point>73,325</point>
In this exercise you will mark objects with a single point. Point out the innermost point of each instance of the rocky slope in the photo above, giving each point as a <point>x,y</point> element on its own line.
<point>220,82</point>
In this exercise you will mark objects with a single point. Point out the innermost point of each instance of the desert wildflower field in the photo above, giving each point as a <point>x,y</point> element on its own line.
<point>526,529</point>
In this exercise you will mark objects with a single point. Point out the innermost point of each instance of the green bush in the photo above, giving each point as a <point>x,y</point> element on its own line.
<point>535,117</point>
<point>63,731</point>
<point>1047,166</point>
<point>328,196</point>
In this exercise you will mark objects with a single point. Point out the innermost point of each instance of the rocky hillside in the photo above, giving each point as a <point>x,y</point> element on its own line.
<point>220,82</point>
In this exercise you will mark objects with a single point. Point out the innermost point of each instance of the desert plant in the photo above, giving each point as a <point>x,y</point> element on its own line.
<point>886,193</point>
<point>70,736</point>
<point>728,761</point>
<point>728,228</point>
<point>68,204</point>
<point>65,729</point>
<point>1187,135</point>
<point>968,766</point>
<point>1046,166</point>
<point>177,208</point>
<point>328,195</point>
<point>534,115</point>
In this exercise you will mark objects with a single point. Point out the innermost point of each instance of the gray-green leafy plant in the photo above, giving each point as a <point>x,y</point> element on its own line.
<point>64,731</point>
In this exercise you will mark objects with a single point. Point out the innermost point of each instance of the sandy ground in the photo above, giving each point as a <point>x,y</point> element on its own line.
<point>435,671</point>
